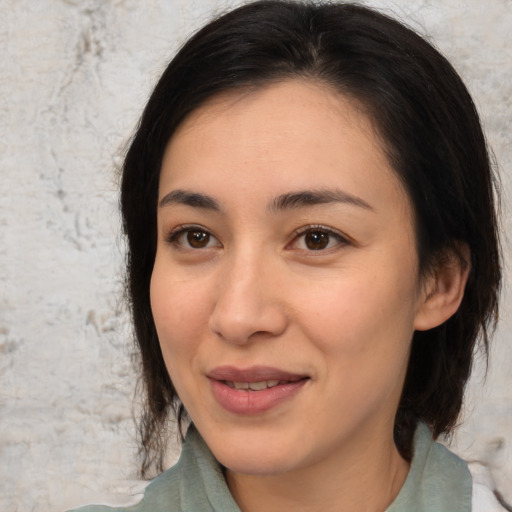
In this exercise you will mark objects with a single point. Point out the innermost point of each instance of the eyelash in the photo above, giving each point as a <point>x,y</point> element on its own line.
<point>318,228</point>
<point>176,233</point>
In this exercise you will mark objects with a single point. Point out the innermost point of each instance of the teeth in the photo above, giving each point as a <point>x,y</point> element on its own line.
<point>258,386</point>
<point>254,386</point>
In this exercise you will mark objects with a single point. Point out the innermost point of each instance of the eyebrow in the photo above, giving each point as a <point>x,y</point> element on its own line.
<point>288,201</point>
<point>306,198</point>
<point>187,198</point>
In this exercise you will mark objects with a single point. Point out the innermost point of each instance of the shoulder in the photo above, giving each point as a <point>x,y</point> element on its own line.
<point>162,493</point>
<point>438,480</point>
<point>195,483</point>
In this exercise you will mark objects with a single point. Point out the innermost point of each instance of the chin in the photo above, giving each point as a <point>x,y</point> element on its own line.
<point>257,465</point>
<point>254,457</point>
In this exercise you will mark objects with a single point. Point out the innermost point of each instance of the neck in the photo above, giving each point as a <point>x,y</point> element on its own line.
<point>366,479</point>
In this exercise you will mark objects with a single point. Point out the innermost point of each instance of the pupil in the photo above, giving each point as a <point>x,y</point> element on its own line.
<point>198,239</point>
<point>317,240</point>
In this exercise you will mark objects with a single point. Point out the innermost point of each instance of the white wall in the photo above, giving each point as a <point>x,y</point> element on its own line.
<point>74,77</point>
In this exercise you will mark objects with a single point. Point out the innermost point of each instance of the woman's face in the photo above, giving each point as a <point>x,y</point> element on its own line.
<point>285,264</point>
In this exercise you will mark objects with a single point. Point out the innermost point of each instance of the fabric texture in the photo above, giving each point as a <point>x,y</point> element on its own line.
<point>438,481</point>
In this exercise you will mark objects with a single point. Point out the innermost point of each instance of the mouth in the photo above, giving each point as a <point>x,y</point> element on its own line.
<point>254,386</point>
<point>254,375</point>
<point>254,390</point>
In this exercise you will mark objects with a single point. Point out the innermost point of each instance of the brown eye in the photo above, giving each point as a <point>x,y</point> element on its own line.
<point>198,239</point>
<point>316,240</point>
<point>193,237</point>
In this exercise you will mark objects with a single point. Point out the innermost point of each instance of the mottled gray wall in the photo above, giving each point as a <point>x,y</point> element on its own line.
<point>73,79</point>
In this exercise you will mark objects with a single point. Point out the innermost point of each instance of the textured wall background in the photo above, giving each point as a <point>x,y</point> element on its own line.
<point>74,77</point>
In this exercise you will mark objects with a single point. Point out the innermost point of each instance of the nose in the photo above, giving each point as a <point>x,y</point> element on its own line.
<point>248,304</point>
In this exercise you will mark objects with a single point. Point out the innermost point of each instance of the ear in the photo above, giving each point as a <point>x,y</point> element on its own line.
<point>443,289</point>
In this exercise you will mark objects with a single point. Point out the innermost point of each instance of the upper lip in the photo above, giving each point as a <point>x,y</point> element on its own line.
<point>252,374</point>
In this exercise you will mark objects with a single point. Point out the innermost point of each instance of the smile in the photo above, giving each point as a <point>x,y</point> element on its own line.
<point>253,386</point>
<point>255,390</point>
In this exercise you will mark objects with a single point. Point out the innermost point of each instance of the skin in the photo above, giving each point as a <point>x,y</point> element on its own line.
<point>338,305</point>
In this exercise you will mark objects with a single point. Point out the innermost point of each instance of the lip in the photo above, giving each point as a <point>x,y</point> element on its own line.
<point>249,402</point>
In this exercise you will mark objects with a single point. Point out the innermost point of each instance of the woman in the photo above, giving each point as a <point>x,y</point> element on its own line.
<point>313,255</point>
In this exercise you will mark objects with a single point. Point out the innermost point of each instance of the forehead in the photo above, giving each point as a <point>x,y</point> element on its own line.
<point>294,134</point>
<point>282,109</point>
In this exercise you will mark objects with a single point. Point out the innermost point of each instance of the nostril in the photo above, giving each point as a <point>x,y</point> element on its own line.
<point>247,319</point>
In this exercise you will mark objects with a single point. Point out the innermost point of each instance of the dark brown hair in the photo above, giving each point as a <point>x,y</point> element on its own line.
<point>433,139</point>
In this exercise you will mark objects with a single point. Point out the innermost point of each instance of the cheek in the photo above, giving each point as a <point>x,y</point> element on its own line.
<point>180,312</point>
<point>359,304</point>
<point>364,336</point>
<point>363,323</point>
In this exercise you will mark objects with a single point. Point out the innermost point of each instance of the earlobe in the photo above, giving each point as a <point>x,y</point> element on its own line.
<point>443,289</point>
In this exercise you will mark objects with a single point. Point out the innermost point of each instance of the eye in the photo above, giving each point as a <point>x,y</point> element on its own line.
<point>193,237</point>
<point>317,238</point>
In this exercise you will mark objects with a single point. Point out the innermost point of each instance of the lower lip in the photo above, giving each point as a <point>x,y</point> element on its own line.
<point>250,402</point>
